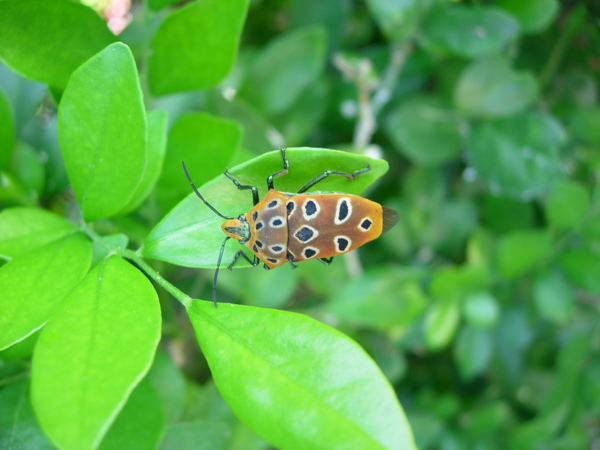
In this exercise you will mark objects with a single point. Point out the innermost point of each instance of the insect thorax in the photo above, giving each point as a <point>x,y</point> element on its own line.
<point>237,228</point>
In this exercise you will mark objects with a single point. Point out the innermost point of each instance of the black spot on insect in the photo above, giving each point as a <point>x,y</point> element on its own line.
<point>259,225</point>
<point>272,260</point>
<point>276,248</point>
<point>366,224</point>
<point>342,243</point>
<point>273,204</point>
<point>311,208</point>
<point>309,252</point>
<point>290,207</point>
<point>304,234</point>
<point>259,243</point>
<point>343,211</point>
<point>254,249</point>
<point>255,216</point>
<point>277,223</point>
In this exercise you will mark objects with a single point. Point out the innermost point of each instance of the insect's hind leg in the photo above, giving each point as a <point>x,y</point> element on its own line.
<point>242,187</point>
<point>326,261</point>
<point>254,261</point>
<point>327,173</point>
<point>279,173</point>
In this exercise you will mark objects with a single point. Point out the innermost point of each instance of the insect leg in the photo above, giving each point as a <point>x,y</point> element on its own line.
<point>241,187</point>
<point>283,171</point>
<point>326,173</point>
<point>254,261</point>
<point>326,261</point>
<point>291,260</point>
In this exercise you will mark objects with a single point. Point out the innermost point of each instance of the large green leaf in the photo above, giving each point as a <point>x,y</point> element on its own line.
<point>102,132</point>
<point>492,88</point>
<point>190,235</point>
<point>33,285</point>
<point>47,41</point>
<point>297,382</point>
<point>467,31</point>
<point>22,229</point>
<point>196,45</point>
<point>93,352</point>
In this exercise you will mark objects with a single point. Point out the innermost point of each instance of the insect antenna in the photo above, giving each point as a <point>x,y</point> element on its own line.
<point>214,291</point>
<point>213,209</point>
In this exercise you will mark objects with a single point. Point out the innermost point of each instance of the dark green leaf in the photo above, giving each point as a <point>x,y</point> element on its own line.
<point>29,169</point>
<point>472,351</point>
<point>169,383</point>
<point>425,130</point>
<point>140,424</point>
<point>467,31</point>
<point>285,69</point>
<point>196,45</point>
<point>582,267</point>
<point>47,41</point>
<point>567,204</point>
<point>283,369</point>
<point>7,131</point>
<point>584,124</point>
<point>190,235</point>
<point>397,19</point>
<point>18,427</point>
<point>197,435</point>
<point>520,251</point>
<point>533,15</point>
<point>102,132</point>
<point>492,88</point>
<point>33,285</point>
<point>23,229</point>
<point>93,352</point>
<point>517,157</point>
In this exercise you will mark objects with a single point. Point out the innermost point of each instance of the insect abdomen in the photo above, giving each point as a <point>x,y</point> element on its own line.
<point>321,225</point>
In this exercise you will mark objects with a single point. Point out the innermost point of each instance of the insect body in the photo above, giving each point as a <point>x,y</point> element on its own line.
<point>292,227</point>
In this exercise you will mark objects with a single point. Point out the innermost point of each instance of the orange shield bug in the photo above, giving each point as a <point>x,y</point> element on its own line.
<point>287,227</point>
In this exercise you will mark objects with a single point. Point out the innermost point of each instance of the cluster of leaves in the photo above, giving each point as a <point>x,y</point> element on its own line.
<point>480,308</point>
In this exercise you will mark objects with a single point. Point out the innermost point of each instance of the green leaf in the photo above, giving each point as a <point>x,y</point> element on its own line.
<point>425,130</point>
<point>533,15</point>
<point>196,45</point>
<point>102,132</point>
<point>467,31</point>
<point>169,383</point>
<point>553,297</point>
<point>18,427</point>
<point>582,267</point>
<point>33,285</point>
<point>472,351</point>
<point>7,131</point>
<point>397,19</point>
<point>381,299</point>
<point>140,424</point>
<point>190,235</point>
<point>206,144</point>
<point>567,204</point>
<point>23,229</point>
<point>297,382</point>
<point>285,69</point>
<point>584,124</point>
<point>492,88</point>
<point>481,309</point>
<point>520,251</point>
<point>441,322</point>
<point>47,41</point>
<point>157,146</point>
<point>93,352</point>
<point>29,169</point>
<point>517,157</point>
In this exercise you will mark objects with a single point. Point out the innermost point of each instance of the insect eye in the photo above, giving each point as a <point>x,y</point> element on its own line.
<point>242,217</point>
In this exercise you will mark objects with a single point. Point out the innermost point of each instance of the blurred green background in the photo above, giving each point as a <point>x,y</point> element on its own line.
<point>482,305</point>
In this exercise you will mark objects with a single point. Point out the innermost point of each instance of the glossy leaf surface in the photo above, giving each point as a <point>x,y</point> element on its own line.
<point>79,381</point>
<point>102,132</point>
<point>297,382</point>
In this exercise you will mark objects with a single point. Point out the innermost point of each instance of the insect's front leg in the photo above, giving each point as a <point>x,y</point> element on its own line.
<point>283,171</point>
<point>242,187</point>
<point>327,173</point>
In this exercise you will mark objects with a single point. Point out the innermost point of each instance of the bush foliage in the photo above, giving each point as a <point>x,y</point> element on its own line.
<point>471,324</point>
